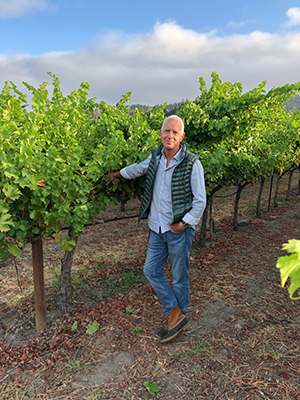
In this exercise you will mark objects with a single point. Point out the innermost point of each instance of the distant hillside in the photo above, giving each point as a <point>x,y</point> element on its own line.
<point>174,107</point>
<point>293,103</point>
<point>170,109</point>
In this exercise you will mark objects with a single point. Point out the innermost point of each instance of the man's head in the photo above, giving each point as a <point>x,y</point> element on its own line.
<point>172,133</point>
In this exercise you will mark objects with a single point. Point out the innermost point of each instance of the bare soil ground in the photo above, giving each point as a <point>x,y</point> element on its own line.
<point>243,341</point>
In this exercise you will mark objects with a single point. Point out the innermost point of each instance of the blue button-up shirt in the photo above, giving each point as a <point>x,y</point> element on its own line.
<point>161,204</point>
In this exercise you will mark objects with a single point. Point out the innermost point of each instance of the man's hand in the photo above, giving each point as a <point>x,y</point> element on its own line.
<point>112,176</point>
<point>177,228</point>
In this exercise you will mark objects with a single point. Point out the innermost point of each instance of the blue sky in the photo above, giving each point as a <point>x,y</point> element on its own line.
<point>158,49</point>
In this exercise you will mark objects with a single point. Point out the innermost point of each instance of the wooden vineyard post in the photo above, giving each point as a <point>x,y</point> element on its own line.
<point>39,286</point>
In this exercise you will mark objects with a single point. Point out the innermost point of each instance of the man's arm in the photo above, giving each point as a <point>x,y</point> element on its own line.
<point>113,176</point>
<point>131,172</point>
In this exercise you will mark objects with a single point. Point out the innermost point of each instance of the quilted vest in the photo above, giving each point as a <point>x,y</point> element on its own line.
<point>181,187</point>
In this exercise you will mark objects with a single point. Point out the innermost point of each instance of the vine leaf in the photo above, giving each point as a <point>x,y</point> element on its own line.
<point>290,267</point>
<point>151,387</point>
<point>11,191</point>
<point>5,221</point>
<point>74,326</point>
<point>92,328</point>
<point>68,244</point>
<point>13,249</point>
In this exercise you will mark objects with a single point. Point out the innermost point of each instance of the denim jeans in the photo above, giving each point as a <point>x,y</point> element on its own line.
<point>177,247</point>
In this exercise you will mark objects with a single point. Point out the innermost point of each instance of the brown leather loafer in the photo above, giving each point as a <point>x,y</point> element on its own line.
<point>172,333</point>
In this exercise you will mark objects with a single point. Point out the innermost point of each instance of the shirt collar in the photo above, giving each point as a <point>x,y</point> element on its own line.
<point>177,155</point>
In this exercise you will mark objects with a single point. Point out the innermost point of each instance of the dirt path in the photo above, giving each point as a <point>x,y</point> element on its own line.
<point>243,341</point>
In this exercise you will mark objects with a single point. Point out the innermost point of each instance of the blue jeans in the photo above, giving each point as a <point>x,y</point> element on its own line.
<point>177,247</point>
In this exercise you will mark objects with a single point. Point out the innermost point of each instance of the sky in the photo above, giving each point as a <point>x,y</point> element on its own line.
<point>155,49</point>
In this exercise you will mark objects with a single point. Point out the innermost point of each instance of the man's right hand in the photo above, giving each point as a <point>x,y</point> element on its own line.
<point>112,176</point>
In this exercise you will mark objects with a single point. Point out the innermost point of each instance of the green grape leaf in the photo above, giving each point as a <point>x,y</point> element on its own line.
<point>5,221</point>
<point>74,326</point>
<point>293,246</point>
<point>290,266</point>
<point>294,286</point>
<point>11,191</point>
<point>151,387</point>
<point>92,328</point>
<point>68,244</point>
<point>14,249</point>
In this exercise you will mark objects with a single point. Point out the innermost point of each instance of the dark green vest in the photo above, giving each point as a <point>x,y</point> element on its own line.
<point>181,187</point>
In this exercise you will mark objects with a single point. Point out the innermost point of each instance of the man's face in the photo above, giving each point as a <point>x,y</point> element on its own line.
<point>171,134</point>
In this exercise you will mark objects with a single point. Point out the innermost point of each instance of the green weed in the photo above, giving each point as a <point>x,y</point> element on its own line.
<point>97,394</point>
<point>151,387</point>
<point>128,279</point>
<point>99,266</point>
<point>76,365</point>
<point>137,331</point>
<point>197,348</point>
<point>92,328</point>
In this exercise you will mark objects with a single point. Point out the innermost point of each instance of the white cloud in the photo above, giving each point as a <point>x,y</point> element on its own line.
<point>163,65</point>
<point>18,8</point>
<point>293,14</point>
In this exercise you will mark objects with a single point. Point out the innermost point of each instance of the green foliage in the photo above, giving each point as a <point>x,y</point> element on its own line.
<point>137,331</point>
<point>128,279</point>
<point>68,244</point>
<point>97,394</point>
<point>151,387</point>
<point>5,222</point>
<point>129,309</point>
<point>197,348</point>
<point>74,326</point>
<point>54,158</point>
<point>241,136</point>
<point>92,328</point>
<point>290,267</point>
<point>13,249</point>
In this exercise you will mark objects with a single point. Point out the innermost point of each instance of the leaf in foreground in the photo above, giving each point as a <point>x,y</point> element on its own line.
<point>151,387</point>
<point>74,326</point>
<point>290,266</point>
<point>14,249</point>
<point>92,328</point>
<point>5,221</point>
<point>68,244</point>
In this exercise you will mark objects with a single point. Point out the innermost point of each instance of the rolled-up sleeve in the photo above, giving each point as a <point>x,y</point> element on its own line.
<point>199,192</point>
<point>136,170</point>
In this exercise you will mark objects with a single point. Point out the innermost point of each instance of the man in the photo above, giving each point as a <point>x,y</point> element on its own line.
<point>173,201</point>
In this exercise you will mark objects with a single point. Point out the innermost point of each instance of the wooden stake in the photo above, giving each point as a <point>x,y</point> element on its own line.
<point>39,286</point>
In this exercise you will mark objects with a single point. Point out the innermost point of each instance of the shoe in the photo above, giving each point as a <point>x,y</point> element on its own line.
<point>161,333</point>
<point>177,322</point>
<point>172,333</point>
